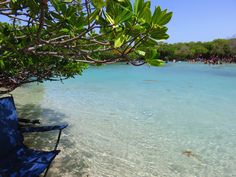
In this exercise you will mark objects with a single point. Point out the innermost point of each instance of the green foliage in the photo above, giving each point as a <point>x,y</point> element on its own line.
<point>55,39</point>
<point>156,62</point>
<point>184,51</point>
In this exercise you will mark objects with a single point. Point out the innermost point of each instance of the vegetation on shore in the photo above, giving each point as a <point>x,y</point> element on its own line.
<point>217,51</point>
<point>57,39</point>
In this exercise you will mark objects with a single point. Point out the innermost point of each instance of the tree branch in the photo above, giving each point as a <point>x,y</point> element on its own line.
<point>43,6</point>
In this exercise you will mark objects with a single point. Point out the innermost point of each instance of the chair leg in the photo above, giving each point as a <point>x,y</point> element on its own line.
<point>58,140</point>
<point>46,172</point>
<point>55,148</point>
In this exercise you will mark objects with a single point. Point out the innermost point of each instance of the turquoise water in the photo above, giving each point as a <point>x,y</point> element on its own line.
<point>125,121</point>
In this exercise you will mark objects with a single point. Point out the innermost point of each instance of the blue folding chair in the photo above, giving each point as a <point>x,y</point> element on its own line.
<point>17,160</point>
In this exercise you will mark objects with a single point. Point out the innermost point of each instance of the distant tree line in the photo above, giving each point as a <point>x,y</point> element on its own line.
<point>214,52</point>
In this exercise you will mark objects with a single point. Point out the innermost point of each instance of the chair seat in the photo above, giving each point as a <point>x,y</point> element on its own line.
<point>25,162</point>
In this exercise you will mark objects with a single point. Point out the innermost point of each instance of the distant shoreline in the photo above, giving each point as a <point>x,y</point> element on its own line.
<point>211,61</point>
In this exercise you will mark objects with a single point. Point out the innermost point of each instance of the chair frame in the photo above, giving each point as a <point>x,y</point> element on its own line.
<point>27,128</point>
<point>50,128</point>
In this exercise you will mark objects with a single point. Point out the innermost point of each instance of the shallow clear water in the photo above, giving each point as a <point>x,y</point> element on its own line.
<point>125,121</point>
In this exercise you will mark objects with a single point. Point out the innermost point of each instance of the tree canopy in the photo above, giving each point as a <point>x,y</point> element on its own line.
<point>57,39</point>
<point>221,48</point>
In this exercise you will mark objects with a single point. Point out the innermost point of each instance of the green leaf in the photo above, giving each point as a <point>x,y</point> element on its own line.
<point>150,54</point>
<point>138,6</point>
<point>140,52</point>
<point>94,15</point>
<point>155,62</point>
<point>161,17</point>
<point>63,8</point>
<point>2,65</point>
<point>159,33</point>
<point>34,7</point>
<point>98,3</point>
<point>55,4</point>
<point>56,15</point>
<point>124,15</point>
<point>150,42</point>
<point>166,18</point>
<point>64,30</point>
<point>119,41</point>
<point>156,15</point>
<point>71,10</point>
<point>109,18</point>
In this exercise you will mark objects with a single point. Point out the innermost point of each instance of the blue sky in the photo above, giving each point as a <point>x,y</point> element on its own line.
<point>200,20</point>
